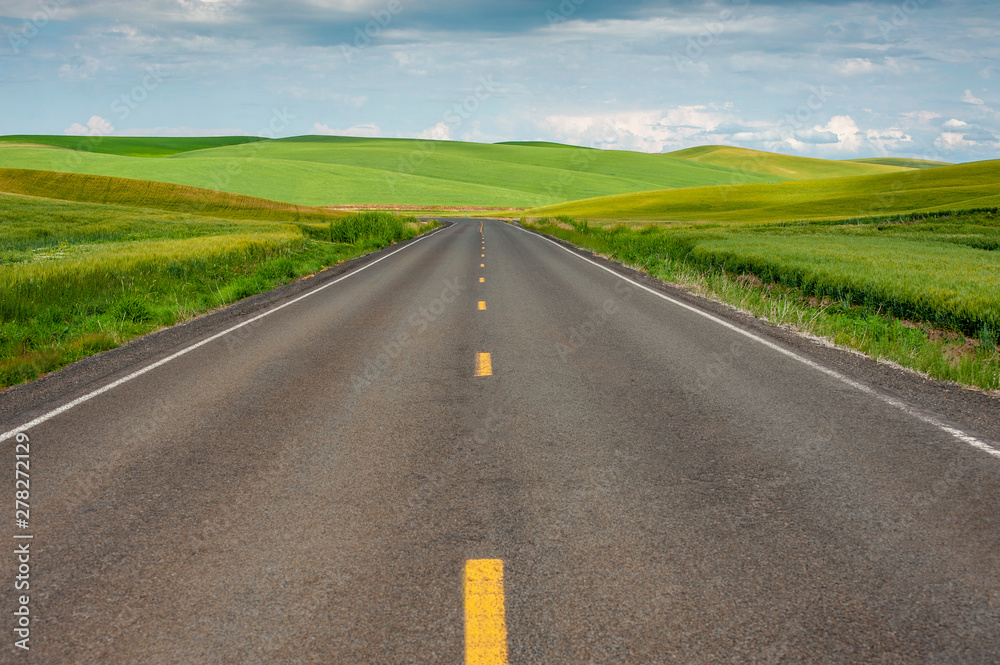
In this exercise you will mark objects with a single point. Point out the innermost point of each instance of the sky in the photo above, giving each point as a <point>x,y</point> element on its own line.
<point>835,79</point>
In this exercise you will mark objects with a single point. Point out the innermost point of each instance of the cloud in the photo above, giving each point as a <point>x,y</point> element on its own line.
<point>951,141</point>
<point>969,98</point>
<point>79,67</point>
<point>849,137</point>
<point>645,131</point>
<point>439,132</point>
<point>367,130</point>
<point>979,135</point>
<point>888,140</point>
<point>958,141</point>
<point>955,124</point>
<point>920,118</point>
<point>854,66</point>
<point>96,126</point>
<point>817,136</point>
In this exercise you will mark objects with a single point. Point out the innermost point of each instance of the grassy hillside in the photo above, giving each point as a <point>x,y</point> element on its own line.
<point>156,195</point>
<point>974,185</point>
<point>130,146</point>
<point>903,162</point>
<point>80,278</point>
<point>337,170</point>
<point>786,167</point>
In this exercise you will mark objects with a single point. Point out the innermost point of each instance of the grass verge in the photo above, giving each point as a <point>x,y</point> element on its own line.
<point>78,279</point>
<point>817,279</point>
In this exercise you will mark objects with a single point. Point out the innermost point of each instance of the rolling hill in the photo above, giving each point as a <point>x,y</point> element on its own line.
<point>155,195</point>
<point>905,163</point>
<point>964,186</point>
<point>316,171</point>
<point>128,145</point>
<point>786,167</point>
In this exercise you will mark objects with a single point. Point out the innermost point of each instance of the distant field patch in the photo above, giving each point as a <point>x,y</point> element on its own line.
<point>130,146</point>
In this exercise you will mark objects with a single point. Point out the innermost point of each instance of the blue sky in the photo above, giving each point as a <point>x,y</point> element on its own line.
<point>915,78</point>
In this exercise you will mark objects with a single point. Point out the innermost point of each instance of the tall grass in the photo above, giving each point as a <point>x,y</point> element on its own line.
<point>922,290</point>
<point>76,279</point>
<point>381,227</point>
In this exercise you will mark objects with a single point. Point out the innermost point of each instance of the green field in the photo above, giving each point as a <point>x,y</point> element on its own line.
<point>79,278</point>
<point>318,171</point>
<point>974,185</point>
<point>785,167</point>
<point>865,279</point>
<point>128,145</point>
<point>903,162</point>
<point>157,195</point>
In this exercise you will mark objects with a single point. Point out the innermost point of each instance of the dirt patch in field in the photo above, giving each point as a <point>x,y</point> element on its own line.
<point>749,280</point>
<point>956,353</point>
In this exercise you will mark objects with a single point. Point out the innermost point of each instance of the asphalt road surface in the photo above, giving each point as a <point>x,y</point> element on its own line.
<point>662,480</point>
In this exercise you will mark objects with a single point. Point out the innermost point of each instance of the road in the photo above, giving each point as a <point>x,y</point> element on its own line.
<point>660,478</point>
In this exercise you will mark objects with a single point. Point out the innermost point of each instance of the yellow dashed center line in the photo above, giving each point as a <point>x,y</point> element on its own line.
<point>484,365</point>
<point>482,279</point>
<point>482,305</point>
<point>485,623</point>
<point>482,265</point>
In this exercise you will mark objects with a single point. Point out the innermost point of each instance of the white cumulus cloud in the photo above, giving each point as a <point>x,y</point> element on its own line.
<point>645,131</point>
<point>439,132</point>
<point>852,66</point>
<point>849,137</point>
<point>96,126</point>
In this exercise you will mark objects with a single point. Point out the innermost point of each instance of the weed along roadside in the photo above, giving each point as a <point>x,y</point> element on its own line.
<point>918,290</point>
<point>77,278</point>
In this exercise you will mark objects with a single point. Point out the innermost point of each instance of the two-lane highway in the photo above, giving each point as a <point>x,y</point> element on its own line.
<point>485,430</point>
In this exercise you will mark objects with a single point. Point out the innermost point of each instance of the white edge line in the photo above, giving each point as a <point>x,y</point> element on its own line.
<point>892,401</point>
<point>125,379</point>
